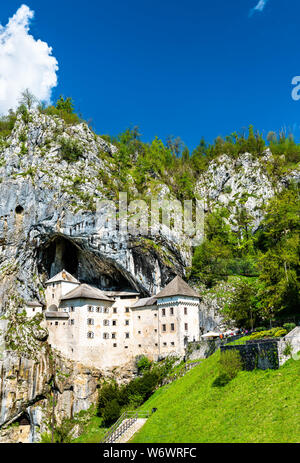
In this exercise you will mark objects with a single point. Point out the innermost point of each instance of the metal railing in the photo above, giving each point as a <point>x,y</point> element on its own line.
<point>126,420</point>
<point>184,370</point>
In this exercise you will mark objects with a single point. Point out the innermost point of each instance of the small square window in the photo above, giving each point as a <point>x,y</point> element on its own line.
<point>139,332</point>
<point>126,347</point>
<point>56,323</point>
<point>127,335</point>
<point>155,315</point>
<point>172,343</point>
<point>115,345</point>
<point>165,344</point>
<point>127,310</point>
<point>115,310</point>
<point>114,322</point>
<point>126,322</point>
<point>140,345</point>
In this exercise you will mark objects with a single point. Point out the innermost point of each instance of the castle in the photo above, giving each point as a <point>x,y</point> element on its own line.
<point>107,329</point>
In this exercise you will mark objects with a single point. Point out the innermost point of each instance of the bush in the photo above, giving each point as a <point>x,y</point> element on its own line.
<point>107,393</point>
<point>273,332</point>
<point>70,150</point>
<point>143,364</point>
<point>287,350</point>
<point>111,413</point>
<point>289,326</point>
<point>230,363</point>
<point>280,333</point>
<point>260,328</point>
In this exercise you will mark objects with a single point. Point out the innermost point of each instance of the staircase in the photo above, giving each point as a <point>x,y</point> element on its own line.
<point>126,426</point>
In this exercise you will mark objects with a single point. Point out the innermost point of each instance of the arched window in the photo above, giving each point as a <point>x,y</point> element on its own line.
<point>90,308</point>
<point>90,321</point>
<point>106,323</point>
<point>90,335</point>
<point>105,336</point>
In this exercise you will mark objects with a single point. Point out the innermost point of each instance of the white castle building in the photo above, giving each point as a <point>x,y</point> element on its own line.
<point>111,328</point>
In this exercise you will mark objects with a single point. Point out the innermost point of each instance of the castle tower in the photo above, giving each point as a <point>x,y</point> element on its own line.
<point>57,287</point>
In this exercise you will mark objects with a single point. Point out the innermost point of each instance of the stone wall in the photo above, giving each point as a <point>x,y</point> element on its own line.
<point>292,342</point>
<point>262,355</point>
<point>202,349</point>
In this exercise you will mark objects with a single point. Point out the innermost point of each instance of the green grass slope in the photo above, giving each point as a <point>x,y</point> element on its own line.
<point>258,406</point>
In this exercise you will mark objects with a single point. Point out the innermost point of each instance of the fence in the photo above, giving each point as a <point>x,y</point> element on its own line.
<point>124,422</point>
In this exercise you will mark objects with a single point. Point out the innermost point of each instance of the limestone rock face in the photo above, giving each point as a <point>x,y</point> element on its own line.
<point>245,181</point>
<point>48,219</point>
<point>25,387</point>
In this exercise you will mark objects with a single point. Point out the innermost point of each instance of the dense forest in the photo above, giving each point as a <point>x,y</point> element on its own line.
<point>262,264</point>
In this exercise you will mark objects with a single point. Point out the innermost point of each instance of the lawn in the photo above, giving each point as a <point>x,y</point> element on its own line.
<point>92,433</point>
<point>257,406</point>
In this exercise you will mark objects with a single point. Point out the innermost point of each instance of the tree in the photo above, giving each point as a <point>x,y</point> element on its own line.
<point>243,306</point>
<point>65,105</point>
<point>27,99</point>
<point>279,264</point>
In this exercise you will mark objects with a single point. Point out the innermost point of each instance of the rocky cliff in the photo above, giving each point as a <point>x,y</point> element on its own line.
<point>51,174</point>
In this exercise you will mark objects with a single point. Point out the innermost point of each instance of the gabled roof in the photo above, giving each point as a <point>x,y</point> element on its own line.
<point>177,287</point>
<point>85,291</point>
<point>63,276</point>
<point>146,301</point>
<point>33,304</point>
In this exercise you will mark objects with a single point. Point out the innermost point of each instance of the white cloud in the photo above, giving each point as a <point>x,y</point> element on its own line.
<point>24,62</point>
<point>259,7</point>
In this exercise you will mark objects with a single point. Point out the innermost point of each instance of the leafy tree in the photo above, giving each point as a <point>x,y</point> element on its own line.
<point>65,104</point>
<point>244,306</point>
<point>111,412</point>
<point>279,264</point>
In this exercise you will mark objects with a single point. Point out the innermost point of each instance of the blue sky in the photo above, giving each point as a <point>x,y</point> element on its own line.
<point>188,68</point>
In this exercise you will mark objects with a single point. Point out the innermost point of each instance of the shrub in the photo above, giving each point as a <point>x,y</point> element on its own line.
<point>143,364</point>
<point>107,393</point>
<point>71,150</point>
<point>280,333</point>
<point>260,328</point>
<point>230,363</point>
<point>289,326</point>
<point>287,350</point>
<point>111,413</point>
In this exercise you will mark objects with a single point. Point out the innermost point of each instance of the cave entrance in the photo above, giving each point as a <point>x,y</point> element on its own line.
<point>24,420</point>
<point>62,253</point>
<point>19,210</point>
